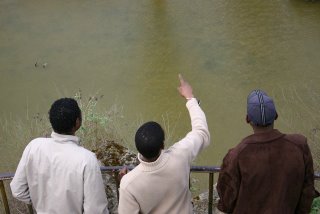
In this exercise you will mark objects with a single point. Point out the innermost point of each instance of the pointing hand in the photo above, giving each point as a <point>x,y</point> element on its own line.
<point>185,88</point>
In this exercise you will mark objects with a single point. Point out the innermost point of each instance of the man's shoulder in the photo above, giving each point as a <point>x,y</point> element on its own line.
<point>37,143</point>
<point>233,153</point>
<point>239,148</point>
<point>130,177</point>
<point>85,154</point>
<point>77,151</point>
<point>85,151</point>
<point>296,138</point>
<point>38,140</point>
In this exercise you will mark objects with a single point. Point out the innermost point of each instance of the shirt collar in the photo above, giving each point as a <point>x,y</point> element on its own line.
<point>61,138</point>
<point>151,166</point>
<point>265,136</point>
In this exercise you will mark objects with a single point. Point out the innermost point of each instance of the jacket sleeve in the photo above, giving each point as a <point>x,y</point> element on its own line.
<point>228,183</point>
<point>199,136</point>
<point>127,203</point>
<point>95,200</point>
<point>19,184</point>
<point>308,190</point>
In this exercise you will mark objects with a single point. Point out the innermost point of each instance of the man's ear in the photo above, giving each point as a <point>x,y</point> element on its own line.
<point>78,123</point>
<point>247,119</point>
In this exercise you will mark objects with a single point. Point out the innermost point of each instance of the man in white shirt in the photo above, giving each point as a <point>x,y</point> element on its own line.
<point>56,174</point>
<point>160,183</point>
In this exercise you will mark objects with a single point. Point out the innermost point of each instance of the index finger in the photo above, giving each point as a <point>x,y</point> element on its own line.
<point>181,79</point>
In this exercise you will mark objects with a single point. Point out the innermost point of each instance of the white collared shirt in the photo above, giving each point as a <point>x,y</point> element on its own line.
<point>57,175</point>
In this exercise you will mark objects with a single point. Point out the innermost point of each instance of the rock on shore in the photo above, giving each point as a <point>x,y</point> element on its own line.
<point>110,153</point>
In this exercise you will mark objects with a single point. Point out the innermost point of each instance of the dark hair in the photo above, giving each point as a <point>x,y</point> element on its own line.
<point>63,115</point>
<point>149,139</point>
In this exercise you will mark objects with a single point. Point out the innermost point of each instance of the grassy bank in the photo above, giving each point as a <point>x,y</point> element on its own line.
<point>101,125</point>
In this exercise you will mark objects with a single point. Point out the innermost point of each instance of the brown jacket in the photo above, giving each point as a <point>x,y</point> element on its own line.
<point>267,172</point>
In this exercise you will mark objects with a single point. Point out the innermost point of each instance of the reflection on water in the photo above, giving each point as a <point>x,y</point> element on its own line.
<point>132,50</point>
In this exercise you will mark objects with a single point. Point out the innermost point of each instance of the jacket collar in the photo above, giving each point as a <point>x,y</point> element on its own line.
<point>60,138</point>
<point>265,137</point>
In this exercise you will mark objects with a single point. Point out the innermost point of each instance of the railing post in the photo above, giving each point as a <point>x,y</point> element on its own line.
<point>116,177</point>
<point>210,198</point>
<point>4,198</point>
<point>30,209</point>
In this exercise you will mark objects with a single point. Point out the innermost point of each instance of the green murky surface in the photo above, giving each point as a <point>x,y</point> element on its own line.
<point>131,51</point>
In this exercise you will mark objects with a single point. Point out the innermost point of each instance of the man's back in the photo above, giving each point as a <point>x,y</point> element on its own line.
<point>267,173</point>
<point>62,177</point>
<point>161,186</point>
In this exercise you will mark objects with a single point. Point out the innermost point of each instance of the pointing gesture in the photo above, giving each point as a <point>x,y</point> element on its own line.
<point>185,88</point>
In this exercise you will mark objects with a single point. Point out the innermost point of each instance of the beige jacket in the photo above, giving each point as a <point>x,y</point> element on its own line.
<point>163,186</point>
<point>57,175</point>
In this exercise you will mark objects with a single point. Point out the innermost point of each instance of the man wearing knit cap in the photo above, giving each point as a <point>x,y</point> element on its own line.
<point>268,172</point>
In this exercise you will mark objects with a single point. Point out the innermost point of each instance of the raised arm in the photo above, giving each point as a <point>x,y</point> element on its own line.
<point>185,88</point>
<point>199,136</point>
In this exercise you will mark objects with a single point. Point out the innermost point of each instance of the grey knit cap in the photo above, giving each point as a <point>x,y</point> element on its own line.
<point>260,108</point>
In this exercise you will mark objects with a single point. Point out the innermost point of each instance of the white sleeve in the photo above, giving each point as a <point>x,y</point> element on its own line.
<point>127,203</point>
<point>95,200</point>
<point>199,137</point>
<point>19,184</point>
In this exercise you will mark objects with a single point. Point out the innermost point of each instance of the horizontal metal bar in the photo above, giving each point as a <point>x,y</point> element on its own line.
<point>6,176</point>
<point>195,169</point>
<point>203,169</point>
<point>30,208</point>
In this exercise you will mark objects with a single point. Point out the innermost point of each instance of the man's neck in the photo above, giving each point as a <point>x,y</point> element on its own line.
<point>71,133</point>
<point>151,159</point>
<point>258,129</point>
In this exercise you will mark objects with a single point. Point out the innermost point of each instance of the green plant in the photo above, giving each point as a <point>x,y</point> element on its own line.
<point>315,208</point>
<point>98,126</point>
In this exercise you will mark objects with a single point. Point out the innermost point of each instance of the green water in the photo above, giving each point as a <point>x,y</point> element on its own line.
<point>131,51</point>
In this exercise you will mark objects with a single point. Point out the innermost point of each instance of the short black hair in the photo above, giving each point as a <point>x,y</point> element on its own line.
<point>149,139</point>
<point>63,115</point>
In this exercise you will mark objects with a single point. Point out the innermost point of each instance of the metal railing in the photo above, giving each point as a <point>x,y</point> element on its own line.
<point>195,169</point>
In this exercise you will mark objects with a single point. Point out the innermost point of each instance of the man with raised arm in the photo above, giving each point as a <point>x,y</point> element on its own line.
<point>268,172</point>
<point>56,174</point>
<point>160,183</point>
